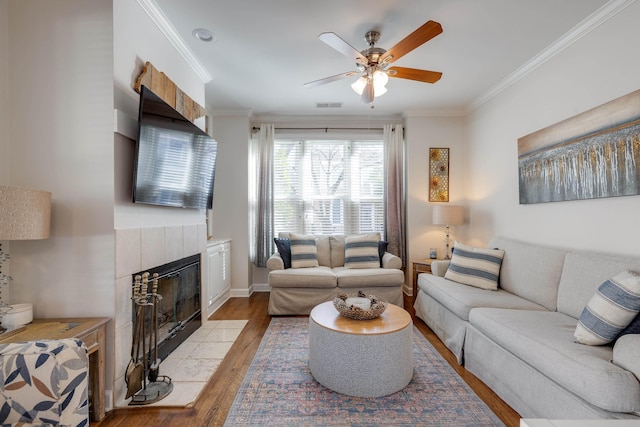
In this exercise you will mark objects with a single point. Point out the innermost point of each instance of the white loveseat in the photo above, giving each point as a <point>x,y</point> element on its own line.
<point>519,339</point>
<point>295,291</point>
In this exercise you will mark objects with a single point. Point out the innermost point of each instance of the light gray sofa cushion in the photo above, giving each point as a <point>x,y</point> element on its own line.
<point>368,277</point>
<point>544,340</point>
<point>530,271</point>
<point>583,273</point>
<point>310,277</point>
<point>460,298</point>
<point>336,242</point>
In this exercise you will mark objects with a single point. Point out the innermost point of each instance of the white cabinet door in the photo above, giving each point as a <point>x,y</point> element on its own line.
<point>219,257</point>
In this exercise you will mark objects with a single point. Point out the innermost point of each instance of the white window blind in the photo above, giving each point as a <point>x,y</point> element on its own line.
<point>328,187</point>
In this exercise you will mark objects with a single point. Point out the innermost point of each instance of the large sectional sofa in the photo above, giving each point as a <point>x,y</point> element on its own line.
<point>295,291</point>
<point>519,339</point>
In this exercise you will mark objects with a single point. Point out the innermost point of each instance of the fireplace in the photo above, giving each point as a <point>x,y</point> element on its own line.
<point>179,312</point>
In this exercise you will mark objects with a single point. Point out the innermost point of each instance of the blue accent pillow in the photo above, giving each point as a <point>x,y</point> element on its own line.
<point>361,251</point>
<point>304,252</point>
<point>478,267</point>
<point>284,249</point>
<point>382,248</point>
<point>633,328</point>
<point>610,310</point>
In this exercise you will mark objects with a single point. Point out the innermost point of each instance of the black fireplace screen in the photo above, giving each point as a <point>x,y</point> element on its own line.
<point>179,312</point>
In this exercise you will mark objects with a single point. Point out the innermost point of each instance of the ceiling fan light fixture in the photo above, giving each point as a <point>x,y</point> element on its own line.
<point>380,78</point>
<point>379,91</point>
<point>358,85</point>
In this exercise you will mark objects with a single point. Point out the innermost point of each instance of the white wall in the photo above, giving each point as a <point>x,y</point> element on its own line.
<point>4,94</point>
<point>599,67</point>
<point>60,132</point>
<point>422,133</point>
<point>136,40</point>
<point>230,216</point>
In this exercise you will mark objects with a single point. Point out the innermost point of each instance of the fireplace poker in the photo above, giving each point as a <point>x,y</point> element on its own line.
<point>155,365</point>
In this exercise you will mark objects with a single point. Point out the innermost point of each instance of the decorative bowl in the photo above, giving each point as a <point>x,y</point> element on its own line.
<point>360,307</point>
<point>19,315</point>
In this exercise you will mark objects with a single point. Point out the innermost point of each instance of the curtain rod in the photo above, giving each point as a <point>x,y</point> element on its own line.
<point>325,129</point>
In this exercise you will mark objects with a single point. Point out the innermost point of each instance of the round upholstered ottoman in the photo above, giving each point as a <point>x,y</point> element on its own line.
<point>362,358</point>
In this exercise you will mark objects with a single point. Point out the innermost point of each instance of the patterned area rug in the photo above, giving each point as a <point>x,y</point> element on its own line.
<point>279,390</point>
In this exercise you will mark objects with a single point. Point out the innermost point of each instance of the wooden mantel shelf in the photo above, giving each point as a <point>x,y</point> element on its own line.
<point>166,89</point>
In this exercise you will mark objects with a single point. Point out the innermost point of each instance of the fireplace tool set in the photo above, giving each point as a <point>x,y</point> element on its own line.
<point>144,384</point>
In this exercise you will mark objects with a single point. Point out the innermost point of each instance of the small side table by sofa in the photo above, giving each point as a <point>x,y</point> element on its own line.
<point>422,266</point>
<point>89,330</point>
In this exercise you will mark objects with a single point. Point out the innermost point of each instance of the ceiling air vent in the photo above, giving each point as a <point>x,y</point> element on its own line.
<point>328,104</point>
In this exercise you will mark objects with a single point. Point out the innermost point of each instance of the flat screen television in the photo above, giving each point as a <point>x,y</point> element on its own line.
<point>175,160</point>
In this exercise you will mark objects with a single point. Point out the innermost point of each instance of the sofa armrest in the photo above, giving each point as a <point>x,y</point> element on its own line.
<point>626,353</point>
<point>439,268</point>
<point>275,262</point>
<point>390,260</point>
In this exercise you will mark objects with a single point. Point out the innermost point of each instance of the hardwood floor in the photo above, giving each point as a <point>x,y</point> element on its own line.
<point>214,403</point>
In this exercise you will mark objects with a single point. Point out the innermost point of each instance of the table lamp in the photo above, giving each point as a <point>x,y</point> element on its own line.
<point>448,215</point>
<point>24,215</point>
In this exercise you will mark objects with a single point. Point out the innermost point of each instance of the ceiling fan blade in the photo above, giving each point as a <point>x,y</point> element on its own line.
<point>343,47</point>
<point>422,35</point>
<point>368,93</point>
<point>330,79</point>
<point>414,74</point>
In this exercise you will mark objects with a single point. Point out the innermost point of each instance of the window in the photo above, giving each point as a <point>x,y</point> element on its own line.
<point>328,187</point>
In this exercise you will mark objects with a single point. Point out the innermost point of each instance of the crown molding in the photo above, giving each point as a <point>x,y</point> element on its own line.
<point>162,22</point>
<point>594,20</point>
<point>454,112</point>
<point>331,120</point>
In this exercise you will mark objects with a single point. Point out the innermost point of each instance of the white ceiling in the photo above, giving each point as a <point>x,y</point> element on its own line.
<point>266,50</point>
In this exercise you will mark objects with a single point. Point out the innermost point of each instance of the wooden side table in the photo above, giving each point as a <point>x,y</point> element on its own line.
<point>423,266</point>
<point>91,331</point>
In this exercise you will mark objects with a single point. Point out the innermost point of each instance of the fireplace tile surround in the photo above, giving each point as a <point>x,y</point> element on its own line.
<point>138,249</point>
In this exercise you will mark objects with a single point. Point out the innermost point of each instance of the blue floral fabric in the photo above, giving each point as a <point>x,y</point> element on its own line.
<point>44,383</point>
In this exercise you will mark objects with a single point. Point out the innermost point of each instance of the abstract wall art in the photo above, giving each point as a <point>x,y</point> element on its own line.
<point>592,155</point>
<point>438,174</point>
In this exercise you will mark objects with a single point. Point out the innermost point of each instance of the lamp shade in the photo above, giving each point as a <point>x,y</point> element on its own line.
<point>24,214</point>
<point>448,215</point>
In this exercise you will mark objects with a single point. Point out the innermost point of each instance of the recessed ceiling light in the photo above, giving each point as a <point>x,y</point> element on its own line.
<point>203,35</point>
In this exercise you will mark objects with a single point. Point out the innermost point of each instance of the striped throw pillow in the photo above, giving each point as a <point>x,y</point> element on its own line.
<point>304,252</point>
<point>477,267</point>
<point>361,251</point>
<point>610,310</point>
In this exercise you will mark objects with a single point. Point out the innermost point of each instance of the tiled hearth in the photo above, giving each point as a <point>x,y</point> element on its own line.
<point>194,362</point>
<point>138,249</point>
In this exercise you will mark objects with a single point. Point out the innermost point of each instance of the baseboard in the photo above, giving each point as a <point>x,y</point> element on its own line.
<point>261,287</point>
<point>108,400</point>
<point>241,293</point>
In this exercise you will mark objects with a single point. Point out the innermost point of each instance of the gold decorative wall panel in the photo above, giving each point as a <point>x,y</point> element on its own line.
<point>438,174</point>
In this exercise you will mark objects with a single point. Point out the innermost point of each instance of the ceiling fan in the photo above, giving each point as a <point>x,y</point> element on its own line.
<point>372,63</point>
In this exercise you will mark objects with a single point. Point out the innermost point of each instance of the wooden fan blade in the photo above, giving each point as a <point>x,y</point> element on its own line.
<point>414,74</point>
<point>343,47</point>
<point>330,79</point>
<point>368,93</point>
<point>422,35</point>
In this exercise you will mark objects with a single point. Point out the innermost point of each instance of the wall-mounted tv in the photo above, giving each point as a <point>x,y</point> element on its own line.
<point>175,160</point>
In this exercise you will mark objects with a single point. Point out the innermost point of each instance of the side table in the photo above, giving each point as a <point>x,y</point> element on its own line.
<point>89,330</point>
<point>362,358</point>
